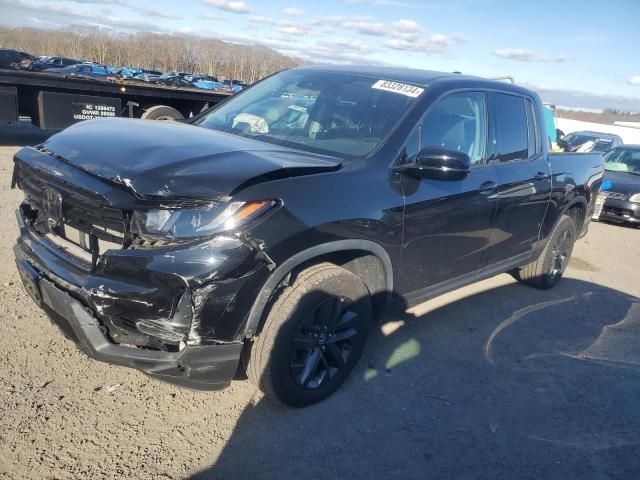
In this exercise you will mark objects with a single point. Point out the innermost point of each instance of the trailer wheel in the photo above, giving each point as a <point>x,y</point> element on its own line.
<point>161,112</point>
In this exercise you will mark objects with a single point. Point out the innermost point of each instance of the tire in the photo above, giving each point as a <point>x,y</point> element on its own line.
<point>547,270</point>
<point>308,369</point>
<point>161,112</point>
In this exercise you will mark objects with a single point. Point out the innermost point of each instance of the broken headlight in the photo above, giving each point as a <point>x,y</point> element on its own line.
<point>201,222</point>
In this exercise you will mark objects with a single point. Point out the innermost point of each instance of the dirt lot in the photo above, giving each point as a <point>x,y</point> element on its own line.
<point>493,381</point>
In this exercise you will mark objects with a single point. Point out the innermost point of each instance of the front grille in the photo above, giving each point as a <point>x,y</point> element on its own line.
<point>84,214</point>
<point>613,195</point>
<point>617,212</point>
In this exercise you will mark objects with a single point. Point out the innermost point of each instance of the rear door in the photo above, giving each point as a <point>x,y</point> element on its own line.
<point>448,222</point>
<point>524,176</point>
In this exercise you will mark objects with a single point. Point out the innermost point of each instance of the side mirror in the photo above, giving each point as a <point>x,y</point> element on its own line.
<point>438,163</point>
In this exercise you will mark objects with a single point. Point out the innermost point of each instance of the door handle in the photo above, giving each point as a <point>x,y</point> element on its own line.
<point>488,187</point>
<point>541,176</point>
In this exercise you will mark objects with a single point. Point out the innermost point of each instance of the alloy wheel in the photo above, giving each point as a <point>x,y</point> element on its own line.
<point>560,253</point>
<point>324,343</point>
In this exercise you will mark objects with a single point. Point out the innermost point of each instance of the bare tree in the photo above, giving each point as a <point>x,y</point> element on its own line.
<point>248,63</point>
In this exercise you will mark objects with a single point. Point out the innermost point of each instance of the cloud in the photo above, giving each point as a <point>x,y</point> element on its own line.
<point>292,12</point>
<point>363,24</point>
<point>434,43</point>
<point>69,15</point>
<point>229,6</point>
<point>394,3</point>
<point>523,55</point>
<point>317,54</point>
<point>342,45</point>
<point>286,27</point>
<point>47,7</point>
<point>119,22</point>
<point>409,26</point>
<point>635,80</point>
<point>101,2</point>
<point>153,12</point>
<point>365,27</point>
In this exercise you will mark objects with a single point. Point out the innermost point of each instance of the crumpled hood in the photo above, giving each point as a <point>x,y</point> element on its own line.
<point>621,182</point>
<point>171,159</point>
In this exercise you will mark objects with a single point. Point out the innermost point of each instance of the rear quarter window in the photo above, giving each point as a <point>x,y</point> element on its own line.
<point>511,128</point>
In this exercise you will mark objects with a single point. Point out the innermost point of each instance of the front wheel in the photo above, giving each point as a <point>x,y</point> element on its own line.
<point>313,336</point>
<point>548,269</point>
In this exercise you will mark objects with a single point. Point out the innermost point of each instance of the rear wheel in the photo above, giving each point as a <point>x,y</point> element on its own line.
<point>313,336</point>
<point>548,269</point>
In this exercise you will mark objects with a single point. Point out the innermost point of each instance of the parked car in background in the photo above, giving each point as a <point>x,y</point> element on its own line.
<point>235,85</point>
<point>197,78</point>
<point>84,70</point>
<point>148,77</point>
<point>47,62</point>
<point>10,58</point>
<point>598,142</point>
<point>271,230</point>
<point>130,72</point>
<point>174,81</point>
<point>620,199</point>
<point>212,85</point>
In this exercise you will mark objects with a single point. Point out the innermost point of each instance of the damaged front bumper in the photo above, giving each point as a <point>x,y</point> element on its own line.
<point>175,314</point>
<point>200,367</point>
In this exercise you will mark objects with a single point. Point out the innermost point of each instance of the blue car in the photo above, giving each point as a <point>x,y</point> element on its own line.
<point>210,84</point>
<point>85,70</point>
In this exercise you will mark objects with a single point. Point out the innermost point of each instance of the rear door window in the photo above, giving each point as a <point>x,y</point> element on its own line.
<point>511,128</point>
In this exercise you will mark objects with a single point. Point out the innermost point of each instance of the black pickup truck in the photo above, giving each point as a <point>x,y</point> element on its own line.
<point>270,231</point>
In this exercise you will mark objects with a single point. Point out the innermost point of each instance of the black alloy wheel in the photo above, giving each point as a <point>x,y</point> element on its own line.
<point>324,343</point>
<point>561,252</point>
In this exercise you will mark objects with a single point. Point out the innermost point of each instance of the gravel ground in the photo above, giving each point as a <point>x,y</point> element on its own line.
<point>492,381</point>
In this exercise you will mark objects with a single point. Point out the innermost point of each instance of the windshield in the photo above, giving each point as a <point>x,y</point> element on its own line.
<point>322,112</point>
<point>575,139</point>
<point>602,146</point>
<point>623,160</point>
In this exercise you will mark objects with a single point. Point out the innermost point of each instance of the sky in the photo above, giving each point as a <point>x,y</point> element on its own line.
<point>577,53</point>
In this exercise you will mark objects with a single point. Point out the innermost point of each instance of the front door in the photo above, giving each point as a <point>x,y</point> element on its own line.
<point>448,223</point>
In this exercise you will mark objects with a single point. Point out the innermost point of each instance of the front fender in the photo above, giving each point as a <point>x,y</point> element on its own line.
<point>279,274</point>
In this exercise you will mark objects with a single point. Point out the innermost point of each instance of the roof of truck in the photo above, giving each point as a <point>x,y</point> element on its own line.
<point>410,75</point>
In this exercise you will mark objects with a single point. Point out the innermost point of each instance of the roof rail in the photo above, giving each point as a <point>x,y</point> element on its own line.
<point>505,77</point>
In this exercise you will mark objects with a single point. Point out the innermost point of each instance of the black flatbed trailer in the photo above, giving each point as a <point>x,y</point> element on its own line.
<point>54,101</point>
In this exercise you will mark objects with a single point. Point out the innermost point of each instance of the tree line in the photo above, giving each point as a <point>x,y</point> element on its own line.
<point>608,116</point>
<point>208,56</point>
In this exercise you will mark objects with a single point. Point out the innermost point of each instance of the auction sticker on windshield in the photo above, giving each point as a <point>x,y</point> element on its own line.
<point>396,87</point>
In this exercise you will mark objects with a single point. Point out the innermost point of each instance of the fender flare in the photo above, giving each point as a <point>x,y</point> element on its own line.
<point>575,201</point>
<point>270,286</point>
